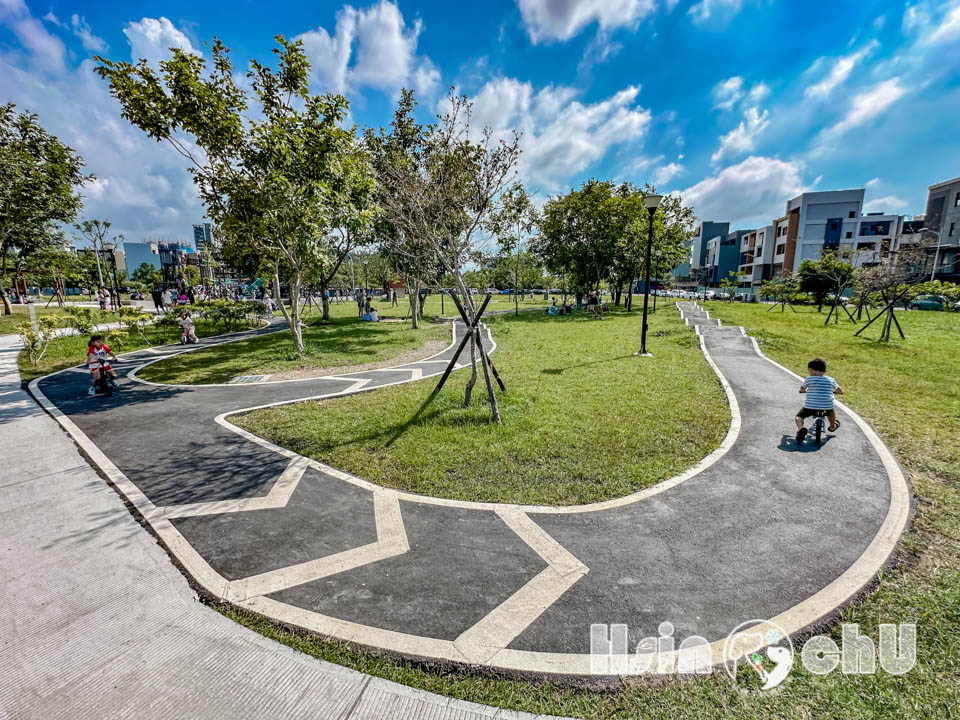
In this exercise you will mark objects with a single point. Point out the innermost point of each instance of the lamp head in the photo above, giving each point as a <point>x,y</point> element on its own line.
<point>652,202</point>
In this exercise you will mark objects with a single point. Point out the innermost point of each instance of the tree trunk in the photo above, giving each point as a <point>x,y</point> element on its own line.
<point>324,301</point>
<point>414,299</point>
<point>468,392</point>
<point>7,308</point>
<point>294,311</point>
<point>292,317</point>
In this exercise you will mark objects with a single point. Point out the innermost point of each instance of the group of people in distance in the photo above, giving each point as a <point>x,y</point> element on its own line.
<point>365,310</point>
<point>594,306</point>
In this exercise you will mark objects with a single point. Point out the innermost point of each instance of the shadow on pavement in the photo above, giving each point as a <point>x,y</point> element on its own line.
<point>788,443</point>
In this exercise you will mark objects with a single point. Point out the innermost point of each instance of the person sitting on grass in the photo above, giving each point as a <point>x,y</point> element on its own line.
<point>97,351</point>
<point>594,305</point>
<point>819,389</point>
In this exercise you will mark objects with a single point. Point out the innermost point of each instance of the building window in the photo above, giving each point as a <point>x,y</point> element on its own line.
<point>950,234</point>
<point>780,249</point>
<point>956,200</point>
<point>849,234</point>
<point>852,214</point>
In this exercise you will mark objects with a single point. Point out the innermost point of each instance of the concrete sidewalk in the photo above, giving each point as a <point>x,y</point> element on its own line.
<point>95,621</point>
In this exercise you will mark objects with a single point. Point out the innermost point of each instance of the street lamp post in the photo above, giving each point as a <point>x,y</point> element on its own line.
<point>651,202</point>
<point>936,254</point>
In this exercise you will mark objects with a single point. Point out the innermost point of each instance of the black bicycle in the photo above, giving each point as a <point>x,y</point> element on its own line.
<point>818,424</point>
<point>103,385</point>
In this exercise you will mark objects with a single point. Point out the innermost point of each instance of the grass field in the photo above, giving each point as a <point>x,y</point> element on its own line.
<point>345,341</point>
<point>583,418</point>
<point>21,314</point>
<point>342,342</point>
<point>68,351</point>
<point>909,390</point>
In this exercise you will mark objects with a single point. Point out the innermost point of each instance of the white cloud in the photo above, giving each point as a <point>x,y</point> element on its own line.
<point>82,30</point>
<point>743,137</point>
<point>885,204</point>
<point>705,9</point>
<point>562,136</point>
<point>839,72</point>
<point>46,49</point>
<point>918,21</point>
<point>385,47</point>
<point>867,105</point>
<point>879,22</point>
<point>547,21</point>
<point>753,189</point>
<point>666,173</point>
<point>757,93</point>
<point>871,183</point>
<point>142,186</point>
<point>152,38</point>
<point>948,29</point>
<point>382,48</point>
<point>600,50</point>
<point>330,55</point>
<point>426,78</point>
<point>727,93</point>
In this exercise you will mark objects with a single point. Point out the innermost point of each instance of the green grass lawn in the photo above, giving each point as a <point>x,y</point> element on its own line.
<point>909,390</point>
<point>68,351</point>
<point>583,419</point>
<point>21,314</point>
<point>343,341</point>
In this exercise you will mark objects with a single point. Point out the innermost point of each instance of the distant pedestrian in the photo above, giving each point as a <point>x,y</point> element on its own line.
<point>361,301</point>
<point>393,298</point>
<point>102,297</point>
<point>157,296</point>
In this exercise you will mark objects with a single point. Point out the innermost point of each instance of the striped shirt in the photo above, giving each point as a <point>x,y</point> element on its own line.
<point>819,392</point>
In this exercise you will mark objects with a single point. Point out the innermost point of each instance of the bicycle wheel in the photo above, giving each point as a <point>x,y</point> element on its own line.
<point>817,430</point>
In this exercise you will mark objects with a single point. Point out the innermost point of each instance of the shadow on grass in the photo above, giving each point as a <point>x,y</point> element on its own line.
<point>560,371</point>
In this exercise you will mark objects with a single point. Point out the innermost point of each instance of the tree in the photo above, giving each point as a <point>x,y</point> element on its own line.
<point>728,283</point>
<point>600,233</point>
<point>276,186</point>
<point>512,223</point>
<point>829,274</point>
<point>893,281</point>
<point>578,234</point>
<point>781,288</point>
<point>438,188</point>
<point>147,274</point>
<point>39,177</point>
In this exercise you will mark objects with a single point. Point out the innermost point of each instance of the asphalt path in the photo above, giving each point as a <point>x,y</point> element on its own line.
<point>763,528</point>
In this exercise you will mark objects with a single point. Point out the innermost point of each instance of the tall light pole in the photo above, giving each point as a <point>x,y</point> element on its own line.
<point>651,202</point>
<point>936,254</point>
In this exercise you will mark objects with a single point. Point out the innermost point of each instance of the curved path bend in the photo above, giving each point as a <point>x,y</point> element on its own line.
<point>760,529</point>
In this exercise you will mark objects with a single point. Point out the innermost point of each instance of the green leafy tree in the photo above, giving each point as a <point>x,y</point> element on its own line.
<point>512,224</point>
<point>276,181</point>
<point>147,274</point>
<point>39,178</point>
<point>829,274</point>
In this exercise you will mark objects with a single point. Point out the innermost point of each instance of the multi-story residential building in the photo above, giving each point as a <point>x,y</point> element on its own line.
<point>756,259</point>
<point>942,229</point>
<point>690,272</point>
<point>723,256</point>
<point>139,253</point>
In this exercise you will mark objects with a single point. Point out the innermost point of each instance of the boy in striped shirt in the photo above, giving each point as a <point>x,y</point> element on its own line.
<point>819,389</point>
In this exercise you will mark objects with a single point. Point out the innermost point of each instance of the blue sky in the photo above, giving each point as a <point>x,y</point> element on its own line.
<point>735,104</point>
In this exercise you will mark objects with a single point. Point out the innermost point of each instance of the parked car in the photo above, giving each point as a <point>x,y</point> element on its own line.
<point>928,302</point>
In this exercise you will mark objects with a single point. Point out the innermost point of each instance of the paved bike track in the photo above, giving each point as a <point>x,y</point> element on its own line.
<point>760,529</point>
